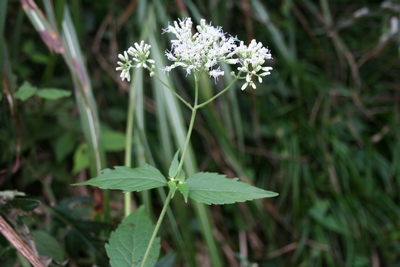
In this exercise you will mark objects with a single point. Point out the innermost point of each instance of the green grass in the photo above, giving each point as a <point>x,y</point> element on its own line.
<point>322,130</point>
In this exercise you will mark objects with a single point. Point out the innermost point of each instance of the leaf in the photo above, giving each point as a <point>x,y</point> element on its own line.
<point>319,213</point>
<point>26,204</point>
<point>184,189</point>
<point>128,244</point>
<point>128,179</point>
<point>172,187</point>
<point>53,93</point>
<point>40,58</point>
<point>113,141</point>
<point>181,176</point>
<point>63,145</point>
<point>167,261</point>
<point>173,169</point>
<point>84,236</point>
<point>25,91</point>
<point>214,188</point>
<point>81,158</point>
<point>48,245</point>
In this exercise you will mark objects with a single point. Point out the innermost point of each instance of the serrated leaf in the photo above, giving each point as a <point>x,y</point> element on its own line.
<point>214,188</point>
<point>128,179</point>
<point>25,91</point>
<point>184,189</point>
<point>127,245</point>
<point>53,93</point>
<point>172,187</point>
<point>173,169</point>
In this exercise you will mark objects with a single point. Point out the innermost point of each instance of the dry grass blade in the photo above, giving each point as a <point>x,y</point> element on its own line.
<point>20,245</point>
<point>48,34</point>
<point>68,46</point>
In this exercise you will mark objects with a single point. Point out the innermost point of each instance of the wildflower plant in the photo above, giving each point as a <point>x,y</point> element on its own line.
<point>134,243</point>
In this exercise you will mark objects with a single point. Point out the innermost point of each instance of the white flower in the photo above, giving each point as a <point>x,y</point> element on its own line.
<point>251,59</point>
<point>124,66</point>
<point>202,51</point>
<point>140,56</point>
<point>216,73</point>
<point>209,46</point>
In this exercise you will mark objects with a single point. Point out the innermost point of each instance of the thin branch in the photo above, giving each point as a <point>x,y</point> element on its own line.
<point>19,244</point>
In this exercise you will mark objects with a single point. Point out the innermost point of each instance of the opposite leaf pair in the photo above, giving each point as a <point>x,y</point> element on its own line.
<point>204,187</point>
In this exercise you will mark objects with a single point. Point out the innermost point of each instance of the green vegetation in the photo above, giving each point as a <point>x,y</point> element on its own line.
<point>321,130</point>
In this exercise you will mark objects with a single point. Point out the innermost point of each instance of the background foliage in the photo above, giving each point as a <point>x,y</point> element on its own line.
<point>322,131</point>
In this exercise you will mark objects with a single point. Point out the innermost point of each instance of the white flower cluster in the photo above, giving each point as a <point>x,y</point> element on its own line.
<point>210,46</point>
<point>203,51</point>
<point>254,55</point>
<point>140,55</point>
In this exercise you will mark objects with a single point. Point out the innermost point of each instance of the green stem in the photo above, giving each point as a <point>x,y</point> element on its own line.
<point>173,91</point>
<point>220,93</point>
<point>153,237</point>
<point>191,124</point>
<point>128,144</point>
<point>194,109</point>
